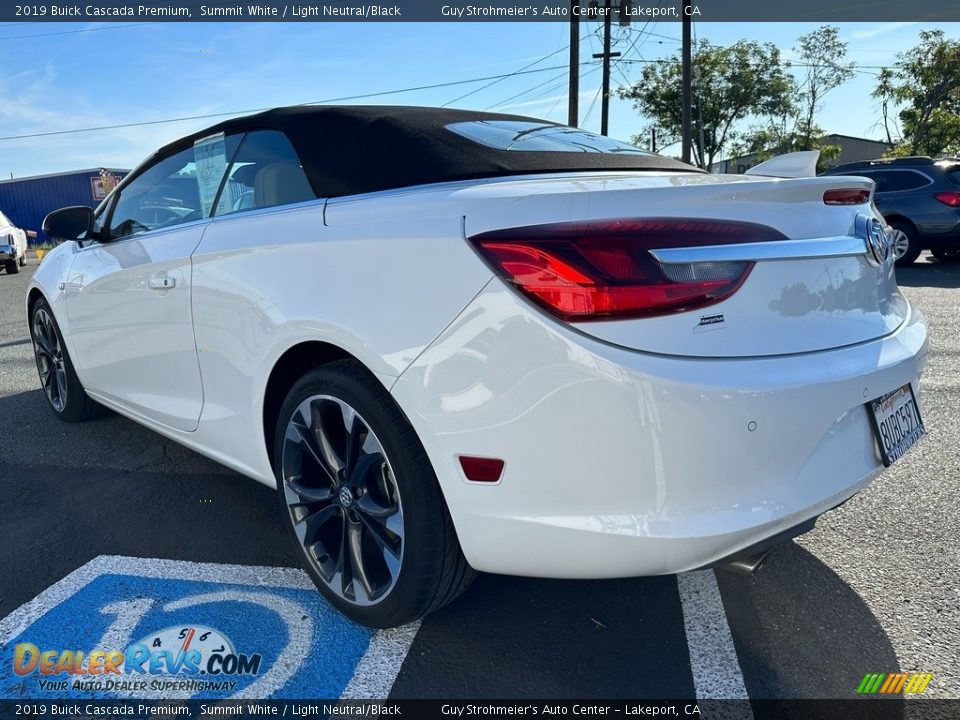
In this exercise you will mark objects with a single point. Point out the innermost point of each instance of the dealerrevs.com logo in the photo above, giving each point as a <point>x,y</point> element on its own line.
<point>192,658</point>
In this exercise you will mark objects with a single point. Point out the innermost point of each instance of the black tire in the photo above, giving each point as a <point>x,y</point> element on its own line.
<point>23,261</point>
<point>12,266</point>
<point>432,570</point>
<point>947,255</point>
<point>914,249</point>
<point>76,406</point>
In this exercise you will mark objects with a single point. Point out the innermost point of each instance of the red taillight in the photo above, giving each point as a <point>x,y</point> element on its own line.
<point>846,196</point>
<point>950,197</point>
<point>481,469</point>
<point>604,270</point>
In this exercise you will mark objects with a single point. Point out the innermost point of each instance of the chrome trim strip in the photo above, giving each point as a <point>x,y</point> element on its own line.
<point>761,251</point>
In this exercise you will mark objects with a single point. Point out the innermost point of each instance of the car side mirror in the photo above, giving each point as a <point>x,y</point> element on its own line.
<point>69,223</point>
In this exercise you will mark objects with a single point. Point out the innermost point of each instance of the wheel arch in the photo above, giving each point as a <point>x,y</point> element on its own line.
<point>293,364</point>
<point>35,295</point>
<point>32,297</point>
<point>897,217</point>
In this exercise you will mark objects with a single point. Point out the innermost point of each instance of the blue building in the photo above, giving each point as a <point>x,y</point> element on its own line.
<point>26,201</point>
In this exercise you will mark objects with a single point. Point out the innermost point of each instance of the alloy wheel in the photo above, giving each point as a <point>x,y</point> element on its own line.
<point>342,499</point>
<point>50,361</point>
<point>901,243</point>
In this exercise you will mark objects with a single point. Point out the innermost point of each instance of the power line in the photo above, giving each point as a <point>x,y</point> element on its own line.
<point>551,81</point>
<point>857,68</point>
<point>501,79</point>
<point>643,31</point>
<point>592,103</point>
<point>73,32</point>
<point>641,37</point>
<point>538,85</point>
<point>555,84</point>
<point>206,116</point>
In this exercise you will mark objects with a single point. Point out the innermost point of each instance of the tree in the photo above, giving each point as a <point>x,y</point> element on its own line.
<point>822,66</point>
<point>823,56</point>
<point>730,84</point>
<point>926,80</point>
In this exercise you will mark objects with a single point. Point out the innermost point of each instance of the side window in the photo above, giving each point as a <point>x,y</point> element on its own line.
<point>177,189</point>
<point>882,179</point>
<point>265,172</point>
<point>907,180</point>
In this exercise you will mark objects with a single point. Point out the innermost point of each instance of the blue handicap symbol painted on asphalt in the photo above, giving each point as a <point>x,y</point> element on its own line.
<point>183,638</point>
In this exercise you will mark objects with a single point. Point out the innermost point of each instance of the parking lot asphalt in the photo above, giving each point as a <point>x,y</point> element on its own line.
<point>874,588</point>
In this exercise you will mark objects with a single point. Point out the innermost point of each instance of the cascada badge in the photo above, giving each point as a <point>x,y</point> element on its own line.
<point>195,652</point>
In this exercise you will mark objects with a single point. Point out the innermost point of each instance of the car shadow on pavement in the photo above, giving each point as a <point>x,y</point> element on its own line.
<point>929,273</point>
<point>801,631</point>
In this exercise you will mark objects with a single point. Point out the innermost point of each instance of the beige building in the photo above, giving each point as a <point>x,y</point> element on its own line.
<point>852,149</point>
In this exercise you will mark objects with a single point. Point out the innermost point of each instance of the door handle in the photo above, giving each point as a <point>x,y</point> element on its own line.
<point>162,282</point>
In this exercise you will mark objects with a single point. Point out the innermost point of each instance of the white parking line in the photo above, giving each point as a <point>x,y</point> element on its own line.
<point>713,657</point>
<point>378,668</point>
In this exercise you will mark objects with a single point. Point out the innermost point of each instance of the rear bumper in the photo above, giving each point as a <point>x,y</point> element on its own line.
<point>621,463</point>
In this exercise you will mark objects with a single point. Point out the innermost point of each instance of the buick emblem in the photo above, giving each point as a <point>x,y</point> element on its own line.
<point>879,241</point>
<point>346,497</point>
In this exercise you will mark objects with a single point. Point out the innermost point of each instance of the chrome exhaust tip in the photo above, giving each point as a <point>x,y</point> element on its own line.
<point>748,564</point>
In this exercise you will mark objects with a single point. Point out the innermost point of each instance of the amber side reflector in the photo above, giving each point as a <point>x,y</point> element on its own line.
<point>846,196</point>
<point>478,469</point>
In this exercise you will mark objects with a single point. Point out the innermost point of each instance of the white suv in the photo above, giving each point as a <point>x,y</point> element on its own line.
<point>13,246</point>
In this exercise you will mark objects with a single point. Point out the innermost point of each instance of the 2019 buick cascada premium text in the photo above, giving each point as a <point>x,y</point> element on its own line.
<point>459,341</point>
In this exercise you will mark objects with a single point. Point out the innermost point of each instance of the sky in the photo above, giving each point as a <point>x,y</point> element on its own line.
<point>59,76</point>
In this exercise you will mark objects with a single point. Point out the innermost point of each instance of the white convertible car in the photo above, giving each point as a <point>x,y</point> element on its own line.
<point>460,341</point>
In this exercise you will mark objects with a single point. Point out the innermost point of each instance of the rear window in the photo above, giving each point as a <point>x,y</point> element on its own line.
<point>953,175</point>
<point>540,137</point>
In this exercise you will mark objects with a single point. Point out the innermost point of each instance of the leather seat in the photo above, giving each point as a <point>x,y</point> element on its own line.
<point>280,184</point>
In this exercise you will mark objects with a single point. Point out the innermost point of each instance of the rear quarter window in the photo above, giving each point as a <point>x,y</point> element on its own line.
<point>903,180</point>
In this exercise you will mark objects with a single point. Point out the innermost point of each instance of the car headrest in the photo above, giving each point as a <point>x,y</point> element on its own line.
<point>280,184</point>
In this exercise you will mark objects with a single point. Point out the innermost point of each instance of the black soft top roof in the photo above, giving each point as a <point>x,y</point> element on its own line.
<point>351,149</point>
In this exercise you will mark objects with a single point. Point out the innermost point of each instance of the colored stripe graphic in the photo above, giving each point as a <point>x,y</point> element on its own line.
<point>894,683</point>
<point>919,682</point>
<point>870,683</point>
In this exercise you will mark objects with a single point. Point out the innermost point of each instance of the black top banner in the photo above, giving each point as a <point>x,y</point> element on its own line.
<point>622,11</point>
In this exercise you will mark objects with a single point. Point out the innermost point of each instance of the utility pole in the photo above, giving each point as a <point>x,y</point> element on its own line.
<point>653,139</point>
<point>606,55</point>
<point>573,107</point>
<point>687,133</point>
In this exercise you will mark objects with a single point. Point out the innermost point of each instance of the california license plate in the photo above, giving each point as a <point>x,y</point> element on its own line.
<point>896,423</point>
